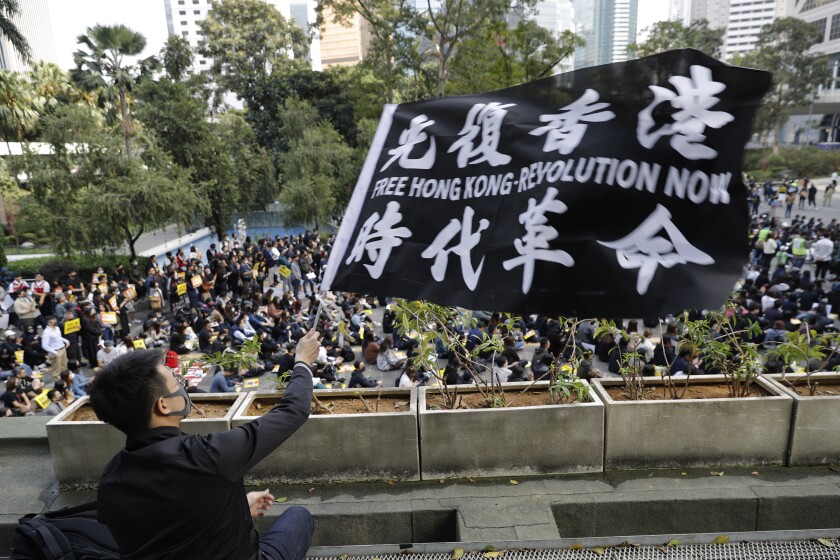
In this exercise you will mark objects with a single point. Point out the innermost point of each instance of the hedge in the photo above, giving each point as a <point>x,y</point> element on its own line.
<point>797,163</point>
<point>59,267</point>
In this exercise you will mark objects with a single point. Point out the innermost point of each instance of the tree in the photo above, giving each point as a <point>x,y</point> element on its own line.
<point>668,35</point>
<point>453,21</point>
<point>248,40</point>
<point>9,9</point>
<point>95,196</point>
<point>103,68</point>
<point>504,56</point>
<point>177,57</point>
<point>51,85</point>
<point>19,106</point>
<point>783,48</point>
<point>319,168</point>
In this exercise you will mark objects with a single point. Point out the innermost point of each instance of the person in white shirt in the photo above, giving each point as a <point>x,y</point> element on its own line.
<point>55,346</point>
<point>770,248</point>
<point>106,354</point>
<point>409,377</point>
<point>823,250</point>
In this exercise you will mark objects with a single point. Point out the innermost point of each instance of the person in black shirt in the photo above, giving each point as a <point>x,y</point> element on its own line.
<point>172,495</point>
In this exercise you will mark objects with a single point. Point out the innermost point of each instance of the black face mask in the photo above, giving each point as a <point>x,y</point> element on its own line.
<point>181,392</point>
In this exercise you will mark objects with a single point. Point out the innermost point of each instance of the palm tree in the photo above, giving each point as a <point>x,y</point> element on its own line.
<point>8,10</point>
<point>103,68</point>
<point>19,106</point>
<point>51,84</point>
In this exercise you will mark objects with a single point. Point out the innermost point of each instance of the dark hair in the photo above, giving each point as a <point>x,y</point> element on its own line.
<point>126,389</point>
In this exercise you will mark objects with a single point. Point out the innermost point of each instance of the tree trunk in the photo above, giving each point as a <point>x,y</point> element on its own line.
<point>124,121</point>
<point>443,60</point>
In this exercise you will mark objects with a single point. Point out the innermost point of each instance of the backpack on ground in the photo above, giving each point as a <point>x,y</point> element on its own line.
<point>67,534</point>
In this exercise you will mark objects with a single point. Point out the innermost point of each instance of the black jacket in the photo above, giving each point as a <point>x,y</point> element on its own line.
<point>172,495</point>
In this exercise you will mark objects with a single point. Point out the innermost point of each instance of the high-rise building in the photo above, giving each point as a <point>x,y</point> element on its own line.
<point>680,10</point>
<point>746,18</point>
<point>741,19</point>
<point>819,121</point>
<point>607,26</point>
<point>556,16</point>
<point>183,17</point>
<point>343,45</point>
<point>33,22</point>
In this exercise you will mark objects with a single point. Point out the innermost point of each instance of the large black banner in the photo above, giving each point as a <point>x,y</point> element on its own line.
<point>608,191</point>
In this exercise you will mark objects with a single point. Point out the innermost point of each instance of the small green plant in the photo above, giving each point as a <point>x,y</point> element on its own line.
<point>809,351</point>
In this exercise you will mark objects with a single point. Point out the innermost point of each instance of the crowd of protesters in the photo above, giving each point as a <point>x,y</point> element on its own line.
<point>241,290</point>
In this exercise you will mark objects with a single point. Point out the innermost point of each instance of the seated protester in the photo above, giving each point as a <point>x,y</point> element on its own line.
<point>644,345</point>
<point>663,354</point>
<point>509,351</point>
<point>541,362</point>
<point>585,370</point>
<point>682,364</point>
<point>106,355</point>
<point>69,379</point>
<point>370,348</point>
<point>387,359</point>
<point>221,343</point>
<point>617,355</point>
<point>405,343</point>
<point>224,381</point>
<point>604,346</point>
<point>450,373</point>
<point>268,346</point>
<point>33,355</point>
<point>408,378</point>
<point>586,335</point>
<point>56,405</point>
<point>389,317</point>
<point>775,335</point>
<point>17,403</point>
<point>177,342</point>
<point>27,385</point>
<point>204,337</point>
<point>155,336</point>
<point>358,379</point>
<point>774,313</point>
<point>517,373</point>
<point>67,396</point>
<point>125,345</point>
<point>500,371</point>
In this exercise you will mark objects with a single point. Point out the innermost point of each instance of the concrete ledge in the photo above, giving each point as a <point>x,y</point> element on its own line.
<point>27,428</point>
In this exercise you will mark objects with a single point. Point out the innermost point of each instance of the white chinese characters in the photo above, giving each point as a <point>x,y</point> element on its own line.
<point>645,250</point>
<point>479,139</point>
<point>533,246</point>
<point>467,242</point>
<point>565,130</point>
<point>412,136</point>
<point>693,100</point>
<point>379,237</point>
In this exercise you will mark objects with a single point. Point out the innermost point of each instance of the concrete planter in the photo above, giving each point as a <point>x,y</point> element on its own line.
<point>565,438</point>
<point>814,433</point>
<point>343,447</point>
<point>80,450</point>
<point>749,431</point>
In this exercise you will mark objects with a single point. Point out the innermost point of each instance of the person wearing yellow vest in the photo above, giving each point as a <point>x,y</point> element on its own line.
<point>799,249</point>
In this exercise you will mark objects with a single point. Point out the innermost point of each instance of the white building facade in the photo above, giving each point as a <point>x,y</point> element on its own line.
<point>33,22</point>
<point>557,16</point>
<point>608,27</point>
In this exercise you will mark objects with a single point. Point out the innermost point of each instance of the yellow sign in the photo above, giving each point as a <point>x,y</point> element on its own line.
<point>195,281</point>
<point>182,289</point>
<point>130,292</point>
<point>19,356</point>
<point>342,328</point>
<point>103,288</point>
<point>74,325</point>
<point>529,335</point>
<point>284,271</point>
<point>181,274</point>
<point>109,318</point>
<point>361,332</point>
<point>140,344</point>
<point>251,383</point>
<point>43,400</point>
<point>368,311</point>
<point>112,301</point>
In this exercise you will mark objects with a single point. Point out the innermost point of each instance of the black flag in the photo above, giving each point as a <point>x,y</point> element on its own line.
<point>609,191</point>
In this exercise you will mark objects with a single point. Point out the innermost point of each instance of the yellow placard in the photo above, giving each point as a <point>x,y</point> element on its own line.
<point>181,275</point>
<point>112,301</point>
<point>108,317</point>
<point>103,288</point>
<point>361,332</point>
<point>43,400</point>
<point>130,292</point>
<point>140,344</point>
<point>251,383</point>
<point>284,271</point>
<point>529,335</point>
<point>342,328</point>
<point>182,289</point>
<point>73,325</point>
<point>19,356</point>
<point>368,311</point>
<point>195,281</point>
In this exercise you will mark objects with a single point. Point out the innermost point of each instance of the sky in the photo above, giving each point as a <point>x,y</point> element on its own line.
<point>70,18</point>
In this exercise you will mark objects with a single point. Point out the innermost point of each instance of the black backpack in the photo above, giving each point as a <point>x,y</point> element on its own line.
<point>67,534</point>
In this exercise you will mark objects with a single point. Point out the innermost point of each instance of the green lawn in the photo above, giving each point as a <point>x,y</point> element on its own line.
<point>37,250</point>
